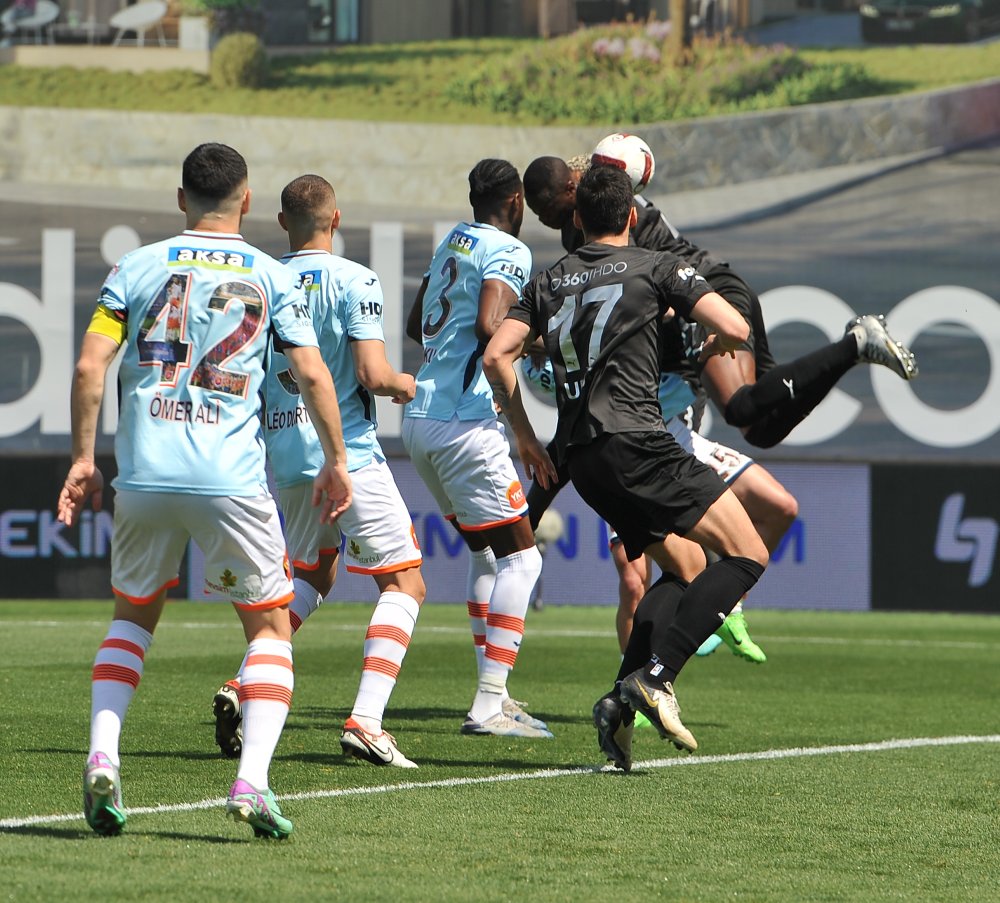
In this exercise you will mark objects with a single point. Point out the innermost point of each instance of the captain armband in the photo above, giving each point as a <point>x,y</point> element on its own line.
<point>109,322</point>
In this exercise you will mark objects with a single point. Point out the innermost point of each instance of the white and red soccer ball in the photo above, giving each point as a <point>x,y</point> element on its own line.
<point>630,154</point>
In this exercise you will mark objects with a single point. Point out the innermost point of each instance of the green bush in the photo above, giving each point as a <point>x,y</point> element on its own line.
<point>239,61</point>
<point>623,74</point>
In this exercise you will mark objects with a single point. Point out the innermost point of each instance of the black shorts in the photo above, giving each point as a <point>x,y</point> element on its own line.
<point>744,299</point>
<point>643,484</point>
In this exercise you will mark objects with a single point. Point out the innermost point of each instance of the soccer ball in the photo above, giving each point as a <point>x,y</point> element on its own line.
<point>550,528</point>
<point>629,153</point>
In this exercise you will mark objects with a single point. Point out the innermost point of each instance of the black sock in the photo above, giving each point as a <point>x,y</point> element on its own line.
<point>702,608</point>
<point>784,396</point>
<point>653,615</point>
<point>539,499</point>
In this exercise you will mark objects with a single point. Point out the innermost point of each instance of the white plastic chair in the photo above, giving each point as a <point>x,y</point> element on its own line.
<point>46,12</point>
<point>140,18</point>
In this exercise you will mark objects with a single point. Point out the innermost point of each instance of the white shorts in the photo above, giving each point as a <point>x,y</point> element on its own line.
<point>377,526</point>
<point>241,540</point>
<point>467,468</point>
<point>726,462</point>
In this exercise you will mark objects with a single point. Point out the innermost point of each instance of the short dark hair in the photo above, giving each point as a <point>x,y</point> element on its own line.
<point>491,182</point>
<point>305,197</point>
<point>604,200</point>
<point>213,172</point>
<point>543,178</point>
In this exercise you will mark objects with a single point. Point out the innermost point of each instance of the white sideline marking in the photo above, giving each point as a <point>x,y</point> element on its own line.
<point>233,625</point>
<point>9,824</point>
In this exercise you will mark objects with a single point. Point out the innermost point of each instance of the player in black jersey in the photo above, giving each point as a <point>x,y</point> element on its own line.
<point>550,188</point>
<point>766,401</point>
<point>598,312</point>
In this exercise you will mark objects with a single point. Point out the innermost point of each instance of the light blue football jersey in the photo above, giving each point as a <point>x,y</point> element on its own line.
<point>199,309</point>
<point>345,304</point>
<point>674,395</point>
<point>450,382</point>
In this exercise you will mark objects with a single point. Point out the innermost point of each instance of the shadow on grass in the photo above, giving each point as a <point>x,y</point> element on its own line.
<point>183,754</point>
<point>85,835</point>
<point>399,775</point>
<point>338,716</point>
<point>51,833</point>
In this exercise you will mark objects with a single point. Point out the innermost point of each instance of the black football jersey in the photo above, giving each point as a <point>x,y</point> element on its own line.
<point>599,313</point>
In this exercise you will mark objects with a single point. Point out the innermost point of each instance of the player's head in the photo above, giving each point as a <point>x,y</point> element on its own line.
<point>214,180</point>
<point>604,202</point>
<point>308,209</point>
<point>497,195</point>
<point>550,191</point>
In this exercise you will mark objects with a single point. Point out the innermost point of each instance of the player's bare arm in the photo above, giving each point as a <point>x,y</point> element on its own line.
<point>84,480</point>
<point>498,364</point>
<point>320,397</point>
<point>495,300</point>
<point>414,326</point>
<point>728,329</point>
<point>722,376</point>
<point>377,375</point>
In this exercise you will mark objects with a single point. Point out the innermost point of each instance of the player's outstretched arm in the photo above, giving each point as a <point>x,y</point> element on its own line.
<point>498,365</point>
<point>84,480</point>
<point>727,327</point>
<point>377,375</point>
<point>332,486</point>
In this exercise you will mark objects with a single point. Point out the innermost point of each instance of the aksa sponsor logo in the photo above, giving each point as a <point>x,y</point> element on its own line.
<point>515,494</point>
<point>211,258</point>
<point>462,242</point>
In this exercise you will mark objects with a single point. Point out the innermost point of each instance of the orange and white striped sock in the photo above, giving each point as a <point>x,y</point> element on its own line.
<point>117,671</point>
<point>386,641</point>
<point>266,684</point>
<point>478,589</point>
<point>304,603</point>
<point>516,577</point>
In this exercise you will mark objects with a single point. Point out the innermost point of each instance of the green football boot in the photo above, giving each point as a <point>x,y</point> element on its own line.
<point>734,634</point>
<point>259,809</point>
<point>102,796</point>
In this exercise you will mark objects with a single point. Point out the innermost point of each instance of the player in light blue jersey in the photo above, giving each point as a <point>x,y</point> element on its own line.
<point>194,314</point>
<point>345,306</point>
<point>458,445</point>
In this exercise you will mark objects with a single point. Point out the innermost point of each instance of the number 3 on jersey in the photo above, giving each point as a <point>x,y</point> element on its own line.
<point>162,336</point>
<point>432,328</point>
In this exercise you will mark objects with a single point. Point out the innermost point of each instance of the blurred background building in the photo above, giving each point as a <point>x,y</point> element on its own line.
<point>330,22</point>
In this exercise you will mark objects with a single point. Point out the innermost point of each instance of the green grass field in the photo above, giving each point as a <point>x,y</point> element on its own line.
<point>772,807</point>
<point>455,82</point>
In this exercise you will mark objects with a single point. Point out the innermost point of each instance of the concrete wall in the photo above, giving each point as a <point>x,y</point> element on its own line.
<point>425,166</point>
<point>115,59</point>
